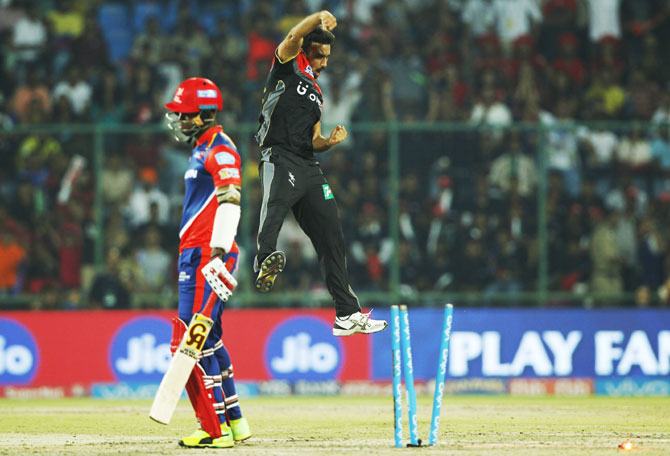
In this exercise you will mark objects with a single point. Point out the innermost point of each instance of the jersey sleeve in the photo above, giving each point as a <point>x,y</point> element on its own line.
<point>280,68</point>
<point>224,164</point>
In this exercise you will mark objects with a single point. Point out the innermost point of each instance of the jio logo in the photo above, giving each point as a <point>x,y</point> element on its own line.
<point>18,354</point>
<point>303,348</point>
<point>140,350</point>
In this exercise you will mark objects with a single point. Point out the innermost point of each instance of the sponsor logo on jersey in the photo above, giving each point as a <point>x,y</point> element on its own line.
<point>327,192</point>
<point>191,174</point>
<point>208,93</point>
<point>18,354</point>
<point>309,71</point>
<point>229,173</point>
<point>224,158</point>
<point>302,87</point>
<point>303,348</point>
<point>184,277</point>
<point>140,350</point>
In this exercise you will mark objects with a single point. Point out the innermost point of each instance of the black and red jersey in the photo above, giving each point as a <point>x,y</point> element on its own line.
<point>292,104</point>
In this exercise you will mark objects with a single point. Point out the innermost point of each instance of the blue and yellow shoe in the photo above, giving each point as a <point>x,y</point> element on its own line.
<point>201,439</point>
<point>269,270</point>
<point>240,429</point>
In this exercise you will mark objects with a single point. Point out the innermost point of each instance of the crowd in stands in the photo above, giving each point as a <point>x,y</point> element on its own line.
<point>470,219</point>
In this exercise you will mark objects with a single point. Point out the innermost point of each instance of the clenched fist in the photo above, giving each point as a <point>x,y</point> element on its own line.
<point>328,21</point>
<point>338,135</point>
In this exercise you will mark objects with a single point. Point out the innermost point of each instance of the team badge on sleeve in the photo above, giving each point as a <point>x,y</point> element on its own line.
<point>225,158</point>
<point>229,173</point>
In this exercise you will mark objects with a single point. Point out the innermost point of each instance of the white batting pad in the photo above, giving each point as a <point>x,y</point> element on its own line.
<point>218,277</point>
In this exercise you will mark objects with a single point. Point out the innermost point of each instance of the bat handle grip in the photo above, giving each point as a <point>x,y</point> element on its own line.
<point>207,311</point>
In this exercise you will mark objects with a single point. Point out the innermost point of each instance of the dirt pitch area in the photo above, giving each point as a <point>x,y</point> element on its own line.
<point>471,425</point>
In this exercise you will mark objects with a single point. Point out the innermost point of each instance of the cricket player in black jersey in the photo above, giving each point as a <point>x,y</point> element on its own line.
<point>289,134</point>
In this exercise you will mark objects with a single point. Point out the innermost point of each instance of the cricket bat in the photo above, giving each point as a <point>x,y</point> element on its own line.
<point>183,362</point>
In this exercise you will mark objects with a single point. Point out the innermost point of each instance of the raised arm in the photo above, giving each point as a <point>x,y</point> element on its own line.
<point>290,47</point>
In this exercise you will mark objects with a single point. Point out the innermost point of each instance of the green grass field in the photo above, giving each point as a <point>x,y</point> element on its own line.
<point>471,425</point>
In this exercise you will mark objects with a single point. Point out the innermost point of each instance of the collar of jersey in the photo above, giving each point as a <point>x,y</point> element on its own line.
<point>207,136</point>
<point>303,62</point>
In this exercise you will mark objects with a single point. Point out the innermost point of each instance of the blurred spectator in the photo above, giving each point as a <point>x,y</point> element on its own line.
<point>562,146</point>
<point>448,95</point>
<point>652,251</point>
<point>606,90</point>
<point>10,13</point>
<point>623,191</point>
<point>75,90</point>
<point>606,275</point>
<point>65,20</point>
<point>604,19</point>
<point>490,111</point>
<point>626,244</point>
<point>117,180</point>
<point>89,50</point>
<point>116,234</point>
<point>341,96</point>
<point>108,105</point>
<point>29,38</point>
<point>294,11</point>
<point>153,263</point>
<point>560,22</point>
<point>144,95</point>
<point>440,52</point>
<point>261,44</point>
<point>71,244</point>
<point>408,79</point>
<point>642,96</point>
<point>660,152</point>
<point>26,204</point>
<point>600,145</point>
<point>151,45</point>
<point>514,165</point>
<point>478,16</point>
<point>377,101</point>
<point>11,256</point>
<point>33,94</point>
<point>507,259</point>
<point>515,18</point>
<point>526,68</point>
<point>634,151</point>
<point>372,248</point>
<point>662,113</point>
<point>109,290</point>
<point>569,61</point>
<point>470,269</point>
<point>146,192</point>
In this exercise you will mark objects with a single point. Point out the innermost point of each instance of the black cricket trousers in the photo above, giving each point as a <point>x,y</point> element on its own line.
<point>299,185</point>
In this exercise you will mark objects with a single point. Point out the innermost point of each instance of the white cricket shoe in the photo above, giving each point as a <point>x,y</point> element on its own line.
<point>357,323</point>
